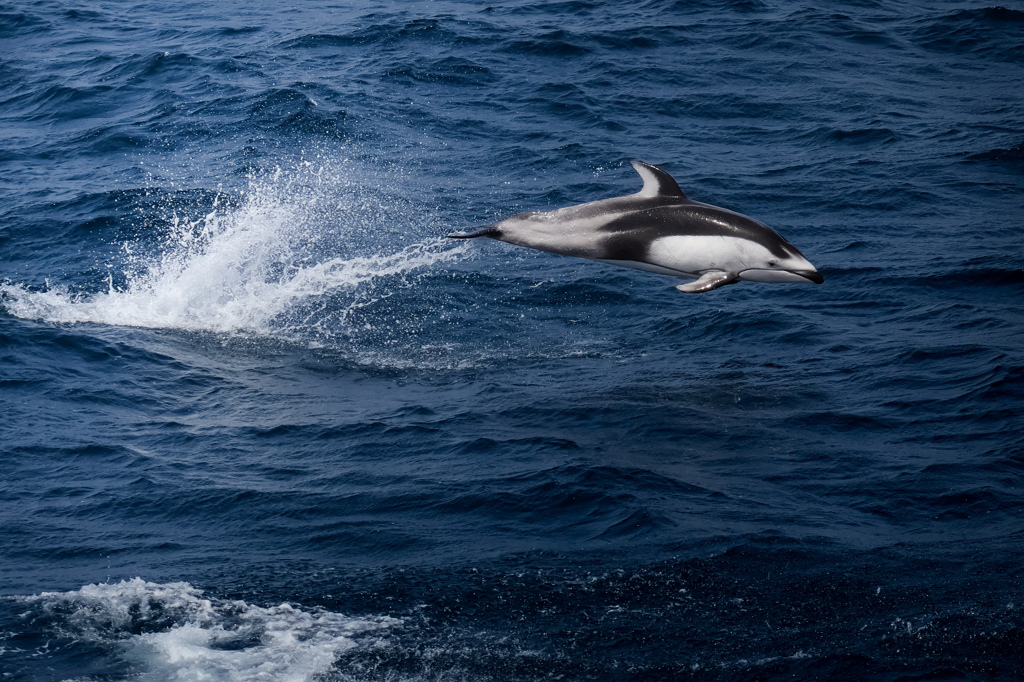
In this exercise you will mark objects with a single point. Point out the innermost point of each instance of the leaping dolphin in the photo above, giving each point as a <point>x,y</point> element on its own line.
<point>659,230</point>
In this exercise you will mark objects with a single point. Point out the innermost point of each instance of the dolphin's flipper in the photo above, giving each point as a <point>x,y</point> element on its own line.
<point>711,279</point>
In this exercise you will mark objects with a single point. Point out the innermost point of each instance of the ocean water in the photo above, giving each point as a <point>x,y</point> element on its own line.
<point>260,420</point>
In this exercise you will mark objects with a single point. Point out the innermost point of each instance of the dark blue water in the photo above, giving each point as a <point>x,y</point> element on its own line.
<point>260,421</point>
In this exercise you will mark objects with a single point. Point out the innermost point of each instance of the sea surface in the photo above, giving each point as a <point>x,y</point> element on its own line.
<point>260,420</point>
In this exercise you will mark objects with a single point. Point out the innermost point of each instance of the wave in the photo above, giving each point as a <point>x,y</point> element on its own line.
<point>1013,154</point>
<point>990,33</point>
<point>289,110</point>
<point>13,24</point>
<point>171,631</point>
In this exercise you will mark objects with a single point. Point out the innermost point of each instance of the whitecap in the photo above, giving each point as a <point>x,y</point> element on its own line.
<point>172,632</point>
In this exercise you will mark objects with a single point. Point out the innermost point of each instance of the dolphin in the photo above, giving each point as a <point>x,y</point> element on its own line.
<point>659,230</point>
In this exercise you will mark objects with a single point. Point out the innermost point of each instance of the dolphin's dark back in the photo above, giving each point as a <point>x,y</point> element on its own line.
<point>632,232</point>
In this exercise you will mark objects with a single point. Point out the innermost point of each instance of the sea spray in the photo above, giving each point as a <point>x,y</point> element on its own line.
<point>241,266</point>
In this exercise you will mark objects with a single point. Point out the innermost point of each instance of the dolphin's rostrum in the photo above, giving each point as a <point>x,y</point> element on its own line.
<point>659,230</point>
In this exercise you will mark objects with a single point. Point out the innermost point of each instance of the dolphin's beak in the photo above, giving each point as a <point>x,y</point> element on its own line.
<point>811,275</point>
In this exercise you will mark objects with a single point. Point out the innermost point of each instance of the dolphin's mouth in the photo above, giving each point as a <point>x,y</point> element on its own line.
<point>812,275</point>
<point>766,275</point>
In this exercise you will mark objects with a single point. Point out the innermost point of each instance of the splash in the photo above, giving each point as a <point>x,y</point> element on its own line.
<point>171,632</point>
<point>243,266</point>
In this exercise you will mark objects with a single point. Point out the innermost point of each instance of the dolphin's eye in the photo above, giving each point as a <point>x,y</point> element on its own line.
<point>772,263</point>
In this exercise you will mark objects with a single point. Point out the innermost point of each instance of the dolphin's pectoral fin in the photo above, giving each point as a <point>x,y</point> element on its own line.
<point>486,231</point>
<point>708,281</point>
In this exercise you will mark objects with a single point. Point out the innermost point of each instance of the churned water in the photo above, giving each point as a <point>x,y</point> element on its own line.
<point>261,421</point>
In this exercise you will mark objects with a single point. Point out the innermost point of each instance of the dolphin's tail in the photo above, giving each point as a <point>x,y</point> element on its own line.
<point>485,231</point>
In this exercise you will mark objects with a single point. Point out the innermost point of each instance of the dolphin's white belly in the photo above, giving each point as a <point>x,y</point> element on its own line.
<point>697,254</point>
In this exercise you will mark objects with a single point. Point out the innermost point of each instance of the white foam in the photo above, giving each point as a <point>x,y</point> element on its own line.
<point>170,632</point>
<point>241,268</point>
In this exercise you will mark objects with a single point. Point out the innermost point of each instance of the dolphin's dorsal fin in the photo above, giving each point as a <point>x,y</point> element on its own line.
<point>657,183</point>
